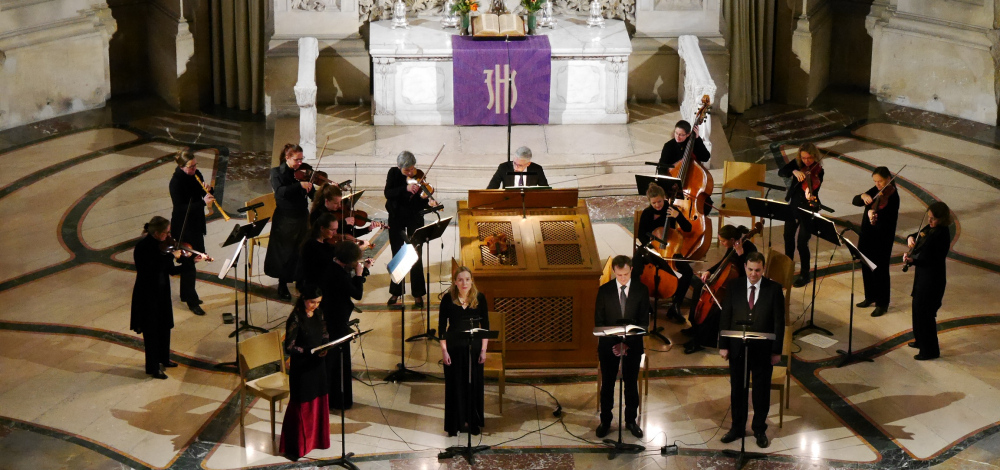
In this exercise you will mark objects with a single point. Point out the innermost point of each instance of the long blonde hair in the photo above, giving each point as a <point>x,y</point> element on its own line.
<point>473,292</point>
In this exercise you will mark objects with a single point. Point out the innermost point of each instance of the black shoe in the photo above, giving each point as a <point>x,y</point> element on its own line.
<point>196,309</point>
<point>922,357</point>
<point>602,430</point>
<point>283,293</point>
<point>392,300</point>
<point>731,436</point>
<point>692,348</point>
<point>170,364</point>
<point>801,281</point>
<point>418,303</point>
<point>674,316</point>
<point>634,429</point>
<point>878,312</point>
<point>762,440</point>
<point>865,303</point>
<point>157,375</point>
<point>912,344</point>
<point>687,331</point>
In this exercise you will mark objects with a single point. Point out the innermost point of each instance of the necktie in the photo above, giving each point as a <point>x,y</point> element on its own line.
<point>621,299</point>
<point>520,180</point>
<point>752,290</point>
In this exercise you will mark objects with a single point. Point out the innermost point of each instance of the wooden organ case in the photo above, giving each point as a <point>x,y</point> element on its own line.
<point>546,282</point>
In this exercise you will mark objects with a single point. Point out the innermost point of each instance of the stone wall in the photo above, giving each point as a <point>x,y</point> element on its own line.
<point>937,55</point>
<point>802,50</point>
<point>53,58</point>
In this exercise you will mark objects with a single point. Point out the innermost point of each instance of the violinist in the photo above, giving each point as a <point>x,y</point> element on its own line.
<point>706,333</point>
<point>316,254</point>
<point>329,200</point>
<point>653,217</point>
<point>291,216</point>
<point>928,251</point>
<point>878,233</point>
<point>152,310</point>
<point>189,200</point>
<point>346,277</point>
<point>806,175</point>
<point>520,163</point>
<point>406,202</point>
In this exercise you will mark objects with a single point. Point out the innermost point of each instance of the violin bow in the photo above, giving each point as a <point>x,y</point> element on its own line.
<point>879,193</point>
<point>318,158</point>
<point>433,161</point>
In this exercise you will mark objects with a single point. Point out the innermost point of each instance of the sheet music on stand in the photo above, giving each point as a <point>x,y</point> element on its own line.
<point>618,330</point>
<point>857,253</point>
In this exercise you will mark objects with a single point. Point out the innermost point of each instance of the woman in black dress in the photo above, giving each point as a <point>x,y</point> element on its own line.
<point>405,202</point>
<point>346,277</point>
<point>930,248</point>
<point>307,422</point>
<point>460,306</point>
<point>650,219</point>
<point>806,175</point>
<point>288,224</point>
<point>152,309</point>
<point>189,200</point>
<point>878,233</point>
<point>329,200</point>
<point>316,254</point>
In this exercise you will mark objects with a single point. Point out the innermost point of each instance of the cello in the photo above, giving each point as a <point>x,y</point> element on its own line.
<point>716,283</point>
<point>696,185</point>
<point>667,242</point>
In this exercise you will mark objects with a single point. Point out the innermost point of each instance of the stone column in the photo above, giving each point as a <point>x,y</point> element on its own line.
<point>802,56</point>
<point>305,97</point>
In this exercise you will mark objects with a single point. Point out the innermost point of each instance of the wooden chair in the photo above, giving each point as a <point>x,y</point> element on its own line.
<point>608,274</point>
<point>495,361</point>
<point>263,212</point>
<point>255,352</point>
<point>643,382</point>
<point>744,177</point>
<point>781,270</point>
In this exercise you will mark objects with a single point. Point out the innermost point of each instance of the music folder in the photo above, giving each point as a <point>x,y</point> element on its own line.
<point>618,330</point>
<point>337,341</point>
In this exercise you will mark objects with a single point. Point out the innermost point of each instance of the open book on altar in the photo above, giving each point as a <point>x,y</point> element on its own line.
<point>491,24</point>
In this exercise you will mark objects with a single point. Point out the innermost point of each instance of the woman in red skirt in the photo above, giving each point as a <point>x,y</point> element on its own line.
<point>307,418</point>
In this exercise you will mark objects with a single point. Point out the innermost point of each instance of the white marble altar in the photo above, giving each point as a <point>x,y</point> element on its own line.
<point>413,73</point>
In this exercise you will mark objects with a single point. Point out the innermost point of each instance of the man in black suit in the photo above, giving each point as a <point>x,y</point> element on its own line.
<point>616,300</point>
<point>520,163</point>
<point>761,302</point>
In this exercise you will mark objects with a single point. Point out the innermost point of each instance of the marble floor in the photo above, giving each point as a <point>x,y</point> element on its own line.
<point>73,393</point>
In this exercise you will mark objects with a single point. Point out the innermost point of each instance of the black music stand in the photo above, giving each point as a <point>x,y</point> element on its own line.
<point>422,238</point>
<point>345,458</point>
<point>241,234</point>
<point>468,451</point>
<point>659,263</point>
<point>771,210</point>
<point>823,228</point>
<point>400,264</point>
<point>848,355</point>
<point>669,184</point>
<point>619,446</point>
<point>745,336</point>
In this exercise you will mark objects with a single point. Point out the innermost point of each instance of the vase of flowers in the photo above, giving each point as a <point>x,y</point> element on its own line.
<point>464,8</point>
<point>531,8</point>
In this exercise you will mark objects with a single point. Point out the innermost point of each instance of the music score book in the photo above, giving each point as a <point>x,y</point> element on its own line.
<point>491,24</point>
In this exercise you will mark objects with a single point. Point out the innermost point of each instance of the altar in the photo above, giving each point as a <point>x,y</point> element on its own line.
<point>413,73</point>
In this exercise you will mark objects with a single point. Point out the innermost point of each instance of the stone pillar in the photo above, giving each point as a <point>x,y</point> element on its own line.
<point>305,96</point>
<point>171,51</point>
<point>802,55</point>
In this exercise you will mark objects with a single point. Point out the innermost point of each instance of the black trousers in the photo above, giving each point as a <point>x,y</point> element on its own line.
<point>801,240</point>
<point>760,368</point>
<point>188,271</point>
<point>877,281</point>
<point>418,286</point>
<point>334,366</point>
<point>925,326</point>
<point>609,377</point>
<point>156,342</point>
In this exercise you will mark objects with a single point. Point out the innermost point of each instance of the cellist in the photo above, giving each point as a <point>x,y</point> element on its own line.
<point>878,233</point>
<point>706,333</point>
<point>807,177</point>
<point>653,217</point>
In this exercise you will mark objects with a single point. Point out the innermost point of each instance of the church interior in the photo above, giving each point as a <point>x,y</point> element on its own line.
<point>99,96</point>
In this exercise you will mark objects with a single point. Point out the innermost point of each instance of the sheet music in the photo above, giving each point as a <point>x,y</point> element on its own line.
<point>332,343</point>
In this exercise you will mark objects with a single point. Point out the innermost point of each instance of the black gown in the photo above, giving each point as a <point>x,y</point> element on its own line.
<point>337,299</point>
<point>184,189</point>
<point>404,218</point>
<point>875,242</point>
<point>288,224</point>
<point>152,309</point>
<point>314,259</point>
<point>929,281</point>
<point>453,318</point>
<point>307,422</point>
<point>796,197</point>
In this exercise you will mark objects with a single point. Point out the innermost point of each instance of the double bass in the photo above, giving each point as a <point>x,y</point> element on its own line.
<point>696,185</point>
<point>716,283</point>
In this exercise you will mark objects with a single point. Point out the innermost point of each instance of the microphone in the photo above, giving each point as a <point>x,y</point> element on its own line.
<point>345,183</point>
<point>250,208</point>
<point>431,210</point>
<point>770,186</point>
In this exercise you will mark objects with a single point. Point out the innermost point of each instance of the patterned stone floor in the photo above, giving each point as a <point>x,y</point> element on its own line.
<point>73,393</point>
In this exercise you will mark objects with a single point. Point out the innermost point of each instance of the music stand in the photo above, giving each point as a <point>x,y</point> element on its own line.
<point>771,210</point>
<point>659,263</point>
<point>341,343</point>
<point>823,228</point>
<point>745,336</point>
<point>241,234</point>
<point>522,189</point>
<point>856,254</point>
<point>400,264</point>
<point>468,451</point>
<point>619,446</point>
<point>669,184</point>
<point>422,237</point>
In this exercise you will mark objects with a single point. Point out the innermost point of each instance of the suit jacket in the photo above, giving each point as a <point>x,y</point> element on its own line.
<point>768,311</point>
<point>607,311</point>
<point>502,178</point>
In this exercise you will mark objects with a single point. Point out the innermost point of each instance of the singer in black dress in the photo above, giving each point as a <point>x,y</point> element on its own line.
<point>288,224</point>
<point>189,199</point>
<point>878,233</point>
<point>460,307</point>
<point>346,277</point>
<point>930,251</point>
<point>307,421</point>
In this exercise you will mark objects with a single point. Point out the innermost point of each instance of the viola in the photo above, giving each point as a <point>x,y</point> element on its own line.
<point>696,185</point>
<point>497,244</point>
<point>418,179</point>
<point>308,174</point>
<point>360,217</point>
<point>169,245</point>
<point>715,285</point>
<point>811,183</point>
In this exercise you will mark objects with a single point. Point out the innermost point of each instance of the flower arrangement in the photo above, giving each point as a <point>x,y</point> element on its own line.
<point>465,6</point>
<point>532,6</point>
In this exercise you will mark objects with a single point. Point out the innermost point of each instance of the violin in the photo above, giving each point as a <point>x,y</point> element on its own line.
<point>497,244</point>
<point>169,245</point>
<point>360,217</point>
<point>308,174</point>
<point>810,184</point>
<point>419,178</point>
<point>881,198</point>
<point>715,285</point>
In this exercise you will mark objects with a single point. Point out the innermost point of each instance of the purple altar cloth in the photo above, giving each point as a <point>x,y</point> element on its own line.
<point>480,75</point>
